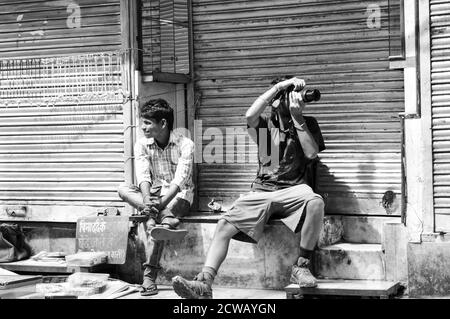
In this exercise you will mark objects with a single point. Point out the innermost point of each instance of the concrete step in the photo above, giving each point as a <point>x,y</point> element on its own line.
<point>354,229</point>
<point>354,288</point>
<point>350,261</point>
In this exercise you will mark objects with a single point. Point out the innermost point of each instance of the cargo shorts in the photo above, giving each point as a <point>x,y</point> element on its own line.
<point>251,212</point>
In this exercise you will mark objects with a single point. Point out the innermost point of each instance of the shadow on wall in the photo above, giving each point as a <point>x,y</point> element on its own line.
<point>336,193</point>
<point>350,193</point>
<point>369,187</point>
<point>50,239</point>
<point>132,271</point>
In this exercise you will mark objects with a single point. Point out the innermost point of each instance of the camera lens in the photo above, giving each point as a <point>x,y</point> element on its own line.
<point>310,95</point>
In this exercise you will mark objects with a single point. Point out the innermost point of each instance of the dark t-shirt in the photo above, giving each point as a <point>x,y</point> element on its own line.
<point>292,165</point>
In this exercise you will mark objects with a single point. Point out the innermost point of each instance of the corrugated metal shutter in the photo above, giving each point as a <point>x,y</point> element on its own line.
<point>165,39</point>
<point>65,152</point>
<point>240,46</point>
<point>440,99</point>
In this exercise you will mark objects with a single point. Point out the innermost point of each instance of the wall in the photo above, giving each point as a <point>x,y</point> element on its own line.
<point>265,265</point>
<point>427,251</point>
<point>429,269</point>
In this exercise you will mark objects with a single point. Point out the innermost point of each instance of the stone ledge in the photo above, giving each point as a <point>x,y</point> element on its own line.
<point>331,233</point>
<point>33,266</point>
<point>340,287</point>
<point>210,218</point>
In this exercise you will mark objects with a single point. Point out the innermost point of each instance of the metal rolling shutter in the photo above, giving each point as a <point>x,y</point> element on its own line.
<point>240,46</point>
<point>440,85</point>
<point>165,36</point>
<point>70,153</point>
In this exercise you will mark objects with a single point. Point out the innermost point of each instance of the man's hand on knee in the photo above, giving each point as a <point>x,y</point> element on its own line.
<point>151,207</point>
<point>152,213</point>
<point>150,210</point>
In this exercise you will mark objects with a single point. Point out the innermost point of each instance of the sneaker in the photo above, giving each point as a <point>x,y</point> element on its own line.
<point>301,274</point>
<point>195,289</point>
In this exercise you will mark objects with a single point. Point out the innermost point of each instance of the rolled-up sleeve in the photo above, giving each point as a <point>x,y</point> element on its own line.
<point>183,173</point>
<point>142,164</point>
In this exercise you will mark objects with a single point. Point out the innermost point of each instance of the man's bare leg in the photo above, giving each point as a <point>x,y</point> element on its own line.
<point>313,224</point>
<point>218,249</point>
<point>301,274</point>
<point>200,287</point>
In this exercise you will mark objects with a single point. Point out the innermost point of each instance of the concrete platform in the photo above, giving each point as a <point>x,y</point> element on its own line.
<point>350,261</point>
<point>60,267</point>
<point>355,229</point>
<point>360,288</point>
<point>166,292</point>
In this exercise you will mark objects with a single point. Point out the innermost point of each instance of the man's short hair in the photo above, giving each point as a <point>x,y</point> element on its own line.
<point>157,109</point>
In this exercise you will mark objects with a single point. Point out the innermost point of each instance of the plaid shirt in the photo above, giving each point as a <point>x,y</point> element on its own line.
<point>162,167</point>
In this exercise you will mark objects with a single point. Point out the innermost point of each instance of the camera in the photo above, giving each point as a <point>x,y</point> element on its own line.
<point>307,95</point>
<point>310,95</point>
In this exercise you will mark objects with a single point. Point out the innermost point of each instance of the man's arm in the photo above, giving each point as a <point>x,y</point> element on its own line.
<point>307,141</point>
<point>256,109</point>
<point>143,176</point>
<point>145,191</point>
<point>183,173</point>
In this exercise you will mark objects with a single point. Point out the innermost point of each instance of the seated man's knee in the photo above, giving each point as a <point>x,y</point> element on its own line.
<point>179,208</point>
<point>225,229</point>
<point>221,224</point>
<point>122,190</point>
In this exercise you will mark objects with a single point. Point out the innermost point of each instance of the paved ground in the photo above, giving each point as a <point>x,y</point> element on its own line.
<point>166,292</point>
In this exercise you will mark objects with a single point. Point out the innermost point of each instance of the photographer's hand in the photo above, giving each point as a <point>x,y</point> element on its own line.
<point>296,106</point>
<point>263,100</point>
<point>298,84</point>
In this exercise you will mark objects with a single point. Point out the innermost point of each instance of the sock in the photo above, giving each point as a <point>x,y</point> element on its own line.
<point>305,253</point>
<point>210,273</point>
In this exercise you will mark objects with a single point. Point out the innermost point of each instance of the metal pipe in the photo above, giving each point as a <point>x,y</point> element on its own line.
<point>403,198</point>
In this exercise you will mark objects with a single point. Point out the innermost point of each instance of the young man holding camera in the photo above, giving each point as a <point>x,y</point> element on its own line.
<point>164,164</point>
<point>280,189</point>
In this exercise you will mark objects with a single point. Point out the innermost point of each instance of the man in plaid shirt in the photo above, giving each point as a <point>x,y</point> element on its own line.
<point>164,163</point>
